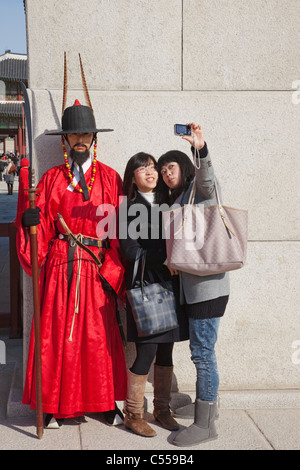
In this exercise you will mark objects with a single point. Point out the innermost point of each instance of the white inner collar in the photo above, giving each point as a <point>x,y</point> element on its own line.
<point>150,197</point>
<point>86,165</point>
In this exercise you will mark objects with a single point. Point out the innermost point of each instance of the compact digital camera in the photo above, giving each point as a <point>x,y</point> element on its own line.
<point>181,129</point>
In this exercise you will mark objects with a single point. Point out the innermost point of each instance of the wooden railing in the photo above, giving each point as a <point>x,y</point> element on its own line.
<point>12,319</point>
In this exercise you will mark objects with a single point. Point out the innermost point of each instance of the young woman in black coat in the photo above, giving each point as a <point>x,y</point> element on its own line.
<point>141,227</point>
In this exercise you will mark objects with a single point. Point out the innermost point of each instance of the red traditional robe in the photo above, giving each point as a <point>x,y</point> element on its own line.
<point>83,360</point>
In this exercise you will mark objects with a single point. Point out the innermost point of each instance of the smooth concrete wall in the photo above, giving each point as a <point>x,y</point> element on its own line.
<point>229,66</point>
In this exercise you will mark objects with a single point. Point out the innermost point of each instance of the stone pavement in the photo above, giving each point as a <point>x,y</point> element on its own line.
<point>8,204</point>
<point>249,420</point>
<point>240,428</point>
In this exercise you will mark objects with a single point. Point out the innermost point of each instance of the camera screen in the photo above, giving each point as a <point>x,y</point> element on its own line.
<point>181,129</point>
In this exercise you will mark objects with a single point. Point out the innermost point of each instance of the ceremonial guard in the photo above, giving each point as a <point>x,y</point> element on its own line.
<point>81,276</point>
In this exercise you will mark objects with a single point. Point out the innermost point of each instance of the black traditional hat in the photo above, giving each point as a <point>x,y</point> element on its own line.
<point>77,118</point>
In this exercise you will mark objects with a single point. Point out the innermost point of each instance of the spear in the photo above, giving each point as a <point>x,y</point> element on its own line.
<point>35,274</point>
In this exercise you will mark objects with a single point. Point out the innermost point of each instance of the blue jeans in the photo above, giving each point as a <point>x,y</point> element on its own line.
<point>203,337</point>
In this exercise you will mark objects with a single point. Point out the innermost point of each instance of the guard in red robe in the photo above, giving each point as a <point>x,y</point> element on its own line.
<point>83,360</point>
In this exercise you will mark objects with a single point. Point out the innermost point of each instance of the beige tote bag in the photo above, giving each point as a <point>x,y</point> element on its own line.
<point>206,240</point>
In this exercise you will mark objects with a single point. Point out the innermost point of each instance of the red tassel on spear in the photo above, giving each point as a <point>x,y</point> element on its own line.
<point>35,269</point>
<point>22,195</point>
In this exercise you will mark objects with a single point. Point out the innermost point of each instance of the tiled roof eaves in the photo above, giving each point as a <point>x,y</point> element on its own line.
<point>11,108</point>
<point>13,69</point>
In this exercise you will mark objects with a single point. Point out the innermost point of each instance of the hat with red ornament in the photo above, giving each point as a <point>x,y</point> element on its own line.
<point>77,118</point>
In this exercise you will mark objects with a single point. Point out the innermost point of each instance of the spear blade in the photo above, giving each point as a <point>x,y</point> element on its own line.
<point>27,113</point>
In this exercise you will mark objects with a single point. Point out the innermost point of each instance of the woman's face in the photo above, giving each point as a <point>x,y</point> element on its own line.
<point>145,177</point>
<point>171,174</point>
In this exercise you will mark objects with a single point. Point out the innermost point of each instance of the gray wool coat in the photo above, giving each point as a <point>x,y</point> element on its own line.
<point>194,288</point>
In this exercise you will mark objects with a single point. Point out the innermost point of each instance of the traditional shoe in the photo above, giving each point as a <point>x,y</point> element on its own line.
<point>114,417</point>
<point>53,423</point>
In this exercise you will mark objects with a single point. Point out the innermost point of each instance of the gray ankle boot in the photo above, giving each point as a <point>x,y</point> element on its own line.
<point>203,428</point>
<point>188,411</point>
<point>185,412</point>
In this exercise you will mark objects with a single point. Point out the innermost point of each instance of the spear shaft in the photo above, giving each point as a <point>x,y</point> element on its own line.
<point>35,276</point>
<point>37,322</point>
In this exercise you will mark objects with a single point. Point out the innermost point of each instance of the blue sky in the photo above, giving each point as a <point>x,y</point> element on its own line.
<point>13,28</point>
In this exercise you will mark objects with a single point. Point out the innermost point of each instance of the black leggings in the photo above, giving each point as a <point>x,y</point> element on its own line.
<point>145,354</point>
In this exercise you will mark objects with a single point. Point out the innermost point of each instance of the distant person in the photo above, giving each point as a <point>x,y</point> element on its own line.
<point>9,176</point>
<point>2,166</point>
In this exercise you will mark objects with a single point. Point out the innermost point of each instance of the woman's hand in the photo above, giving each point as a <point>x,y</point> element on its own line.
<point>196,139</point>
<point>173,272</point>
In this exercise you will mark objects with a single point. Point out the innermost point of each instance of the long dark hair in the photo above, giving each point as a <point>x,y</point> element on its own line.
<point>137,160</point>
<point>163,193</point>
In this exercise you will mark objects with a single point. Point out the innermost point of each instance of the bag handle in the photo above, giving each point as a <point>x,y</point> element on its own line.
<point>193,191</point>
<point>141,256</point>
<point>163,282</point>
<point>198,166</point>
<point>138,256</point>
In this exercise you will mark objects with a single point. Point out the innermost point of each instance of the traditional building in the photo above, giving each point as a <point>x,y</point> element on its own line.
<point>13,69</point>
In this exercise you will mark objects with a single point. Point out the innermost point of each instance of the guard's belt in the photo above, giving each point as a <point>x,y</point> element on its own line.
<point>85,241</point>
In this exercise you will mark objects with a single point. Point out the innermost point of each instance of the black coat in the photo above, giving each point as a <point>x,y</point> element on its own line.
<point>151,240</point>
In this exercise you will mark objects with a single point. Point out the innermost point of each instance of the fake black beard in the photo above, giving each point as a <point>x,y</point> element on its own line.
<point>79,157</point>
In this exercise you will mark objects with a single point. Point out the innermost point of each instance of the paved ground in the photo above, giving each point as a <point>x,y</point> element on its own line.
<point>262,420</point>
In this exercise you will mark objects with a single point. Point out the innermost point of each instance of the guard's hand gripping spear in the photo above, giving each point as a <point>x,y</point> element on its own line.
<point>35,273</point>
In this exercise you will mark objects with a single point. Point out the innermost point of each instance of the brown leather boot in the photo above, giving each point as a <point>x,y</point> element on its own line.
<point>134,410</point>
<point>162,397</point>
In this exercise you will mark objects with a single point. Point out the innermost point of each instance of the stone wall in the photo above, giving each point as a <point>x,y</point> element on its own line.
<point>230,66</point>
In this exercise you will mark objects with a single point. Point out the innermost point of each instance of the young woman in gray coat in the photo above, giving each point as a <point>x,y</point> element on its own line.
<point>204,297</point>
